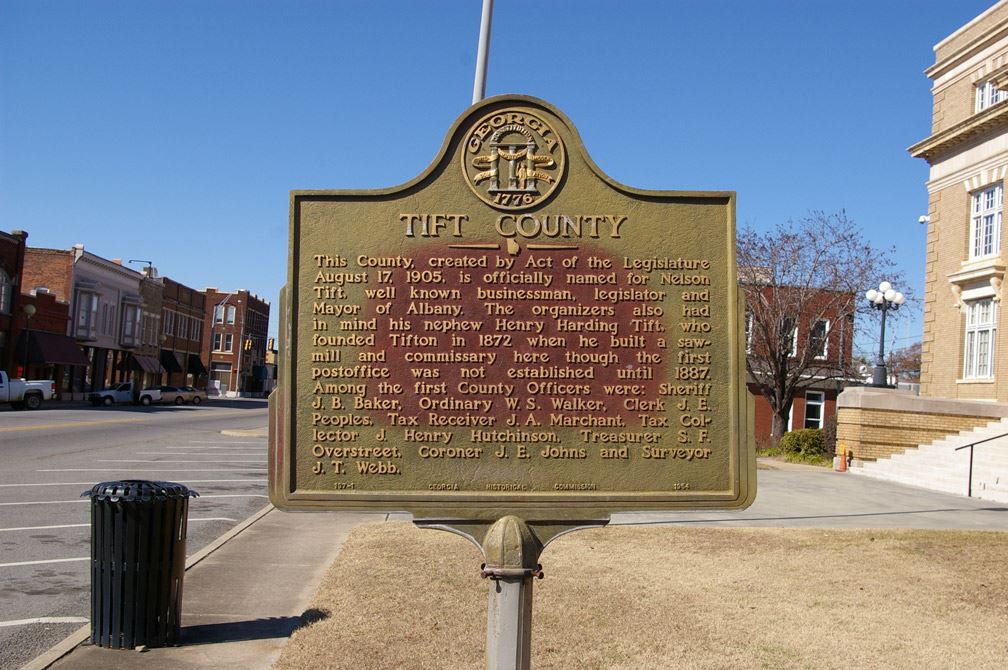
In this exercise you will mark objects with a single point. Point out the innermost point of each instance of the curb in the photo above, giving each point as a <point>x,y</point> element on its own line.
<point>82,634</point>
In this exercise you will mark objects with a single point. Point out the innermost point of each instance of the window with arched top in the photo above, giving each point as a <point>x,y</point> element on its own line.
<point>6,292</point>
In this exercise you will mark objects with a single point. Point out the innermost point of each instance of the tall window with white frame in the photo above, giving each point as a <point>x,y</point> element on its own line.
<point>985,222</point>
<point>87,316</point>
<point>981,332</point>
<point>987,95</point>
<point>223,341</point>
<point>814,402</point>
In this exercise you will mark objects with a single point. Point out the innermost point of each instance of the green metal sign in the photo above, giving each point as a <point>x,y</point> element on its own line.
<point>512,332</point>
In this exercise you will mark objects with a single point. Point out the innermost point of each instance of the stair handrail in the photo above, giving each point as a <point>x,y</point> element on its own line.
<point>969,485</point>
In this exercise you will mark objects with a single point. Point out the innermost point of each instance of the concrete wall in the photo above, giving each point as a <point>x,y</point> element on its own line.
<point>879,423</point>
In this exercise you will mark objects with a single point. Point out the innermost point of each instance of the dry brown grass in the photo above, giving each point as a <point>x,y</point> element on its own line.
<point>670,597</point>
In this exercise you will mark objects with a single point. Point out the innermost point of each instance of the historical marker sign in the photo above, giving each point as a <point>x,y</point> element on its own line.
<point>512,332</point>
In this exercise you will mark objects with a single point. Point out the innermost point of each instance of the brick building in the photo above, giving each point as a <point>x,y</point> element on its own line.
<point>963,355</point>
<point>50,354</point>
<point>182,313</point>
<point>964,364</point>
<point>824,333</point>
<point>33,322</point>
<point>146,352</point>
<point>235,332</point>
<point>106,314</point>
<point>12,250</point>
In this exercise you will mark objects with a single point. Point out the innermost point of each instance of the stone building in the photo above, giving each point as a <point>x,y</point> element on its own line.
<point>964,356</point>
<point>929,440</point>
<point>235,332</point>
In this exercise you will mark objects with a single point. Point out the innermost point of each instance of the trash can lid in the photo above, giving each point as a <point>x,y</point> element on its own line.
<point>130,490</point>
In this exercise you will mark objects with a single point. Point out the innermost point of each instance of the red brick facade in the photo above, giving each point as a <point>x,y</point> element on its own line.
<point>182,323</point>
<point>238,361</point>
<point>12,250</point>
<point>814,405</point>
<point>51,269</point>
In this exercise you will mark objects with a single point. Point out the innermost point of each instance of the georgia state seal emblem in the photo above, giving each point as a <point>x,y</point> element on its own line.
<point>513,159</point>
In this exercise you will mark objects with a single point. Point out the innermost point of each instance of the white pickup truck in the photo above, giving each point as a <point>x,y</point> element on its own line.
<point>23,394</point>
<point>124,392</point>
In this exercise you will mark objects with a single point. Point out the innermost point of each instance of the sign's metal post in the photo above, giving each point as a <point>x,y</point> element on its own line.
<point>512,554</point>
<point>511,547</point>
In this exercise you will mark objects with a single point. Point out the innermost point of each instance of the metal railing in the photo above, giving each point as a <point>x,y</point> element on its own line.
<point>969,486</point>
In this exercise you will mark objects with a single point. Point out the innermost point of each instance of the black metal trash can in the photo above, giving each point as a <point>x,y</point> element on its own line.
<point>138,550</point>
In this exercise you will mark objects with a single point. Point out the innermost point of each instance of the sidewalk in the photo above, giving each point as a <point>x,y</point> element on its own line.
<point>247,592</point>
<point>243,597</point>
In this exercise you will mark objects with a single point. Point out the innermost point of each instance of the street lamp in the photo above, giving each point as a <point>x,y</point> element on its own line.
<point>884,299</point>
<point>29,311</point>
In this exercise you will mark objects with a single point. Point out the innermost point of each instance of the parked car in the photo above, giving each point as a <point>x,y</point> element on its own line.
<point>194,395</point>
<point>23,394</point>
<point>174,394</point>
<point>125,392</point>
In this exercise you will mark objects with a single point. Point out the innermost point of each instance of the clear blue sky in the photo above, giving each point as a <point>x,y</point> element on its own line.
<point>173,130</point>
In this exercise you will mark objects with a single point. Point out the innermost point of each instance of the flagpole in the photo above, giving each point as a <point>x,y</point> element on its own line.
<point>479,85</point>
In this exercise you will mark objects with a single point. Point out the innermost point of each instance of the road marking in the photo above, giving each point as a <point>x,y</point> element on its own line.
<point>216,414</point>
<point>92,483</point>
<point>51,560</point>
<point>140,460</point>
<point>44,619</point>
<point>85,525</point>
<point>43,502</point>
<point>191,453</point>
<point>87,500</point>
<point>241,469</point>
<point>75,424</point>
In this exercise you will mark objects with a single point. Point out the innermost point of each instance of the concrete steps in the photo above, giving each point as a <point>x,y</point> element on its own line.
<point>939,467</point>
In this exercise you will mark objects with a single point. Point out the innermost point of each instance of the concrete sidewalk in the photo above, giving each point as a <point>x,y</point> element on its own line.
<point>246,593</point>
<point>243,596</point>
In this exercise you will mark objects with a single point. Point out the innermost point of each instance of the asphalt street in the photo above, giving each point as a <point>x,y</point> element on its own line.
<point>48,457</point>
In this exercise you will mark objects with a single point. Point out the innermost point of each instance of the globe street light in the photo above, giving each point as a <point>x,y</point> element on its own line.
<point>884,299</point>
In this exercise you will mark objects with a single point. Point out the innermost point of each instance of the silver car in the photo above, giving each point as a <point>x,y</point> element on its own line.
<point>194,395</point>
<point>173,394</point>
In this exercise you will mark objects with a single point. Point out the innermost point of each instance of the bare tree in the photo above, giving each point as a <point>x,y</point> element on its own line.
<point>803,283</point>
<point>905,364</point>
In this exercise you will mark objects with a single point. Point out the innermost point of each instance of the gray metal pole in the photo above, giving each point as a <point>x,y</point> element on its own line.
<point>509,623</point>
<point>479,84</point>
<point>512,553</point>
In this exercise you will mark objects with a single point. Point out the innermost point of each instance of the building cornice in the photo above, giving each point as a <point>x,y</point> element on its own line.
<point>978,124</point>
<point>109,266</point>
<point>970,49</point>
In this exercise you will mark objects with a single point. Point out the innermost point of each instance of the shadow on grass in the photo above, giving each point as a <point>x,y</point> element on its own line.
<point>256,629</point>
